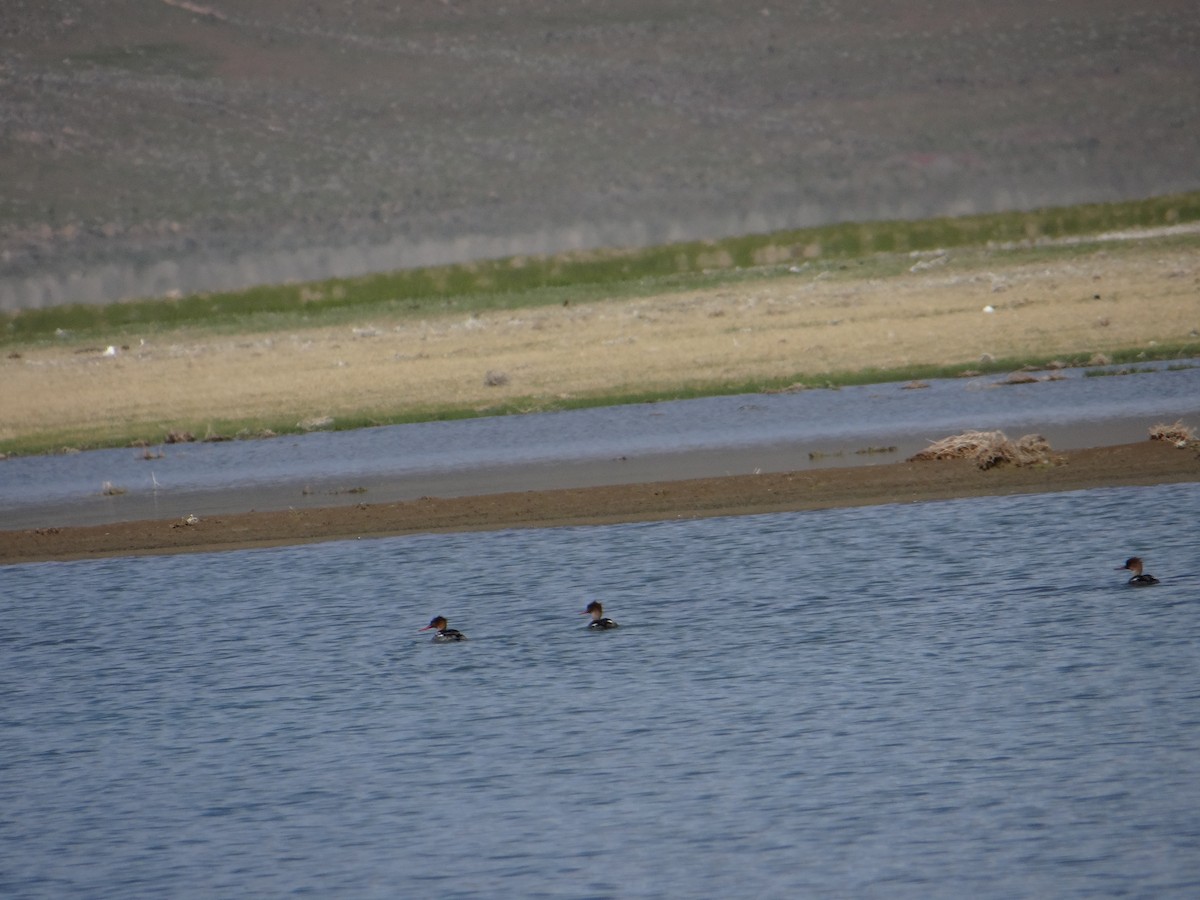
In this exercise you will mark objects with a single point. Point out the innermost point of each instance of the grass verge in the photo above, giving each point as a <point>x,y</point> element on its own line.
<point>71,440</point>
<point>521,282</point>
<point>248,371</point>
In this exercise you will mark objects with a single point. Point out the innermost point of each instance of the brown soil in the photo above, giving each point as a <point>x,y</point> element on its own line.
<point>1144,463</point>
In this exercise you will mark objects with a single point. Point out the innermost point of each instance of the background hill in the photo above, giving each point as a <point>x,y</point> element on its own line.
<point>149,146</point>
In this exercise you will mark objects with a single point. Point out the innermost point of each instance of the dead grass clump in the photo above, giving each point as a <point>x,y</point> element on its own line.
<point>793,388</point>
<point>1024,377</point>
<point>988,449</point>
<point>1019,378</point>
<point>1178,434</point>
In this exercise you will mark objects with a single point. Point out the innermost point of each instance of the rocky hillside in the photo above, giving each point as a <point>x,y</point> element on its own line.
<point>156,145</point>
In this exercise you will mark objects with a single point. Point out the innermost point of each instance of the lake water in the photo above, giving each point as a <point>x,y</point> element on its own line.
<point>611,445</point>
<point>936,700</point>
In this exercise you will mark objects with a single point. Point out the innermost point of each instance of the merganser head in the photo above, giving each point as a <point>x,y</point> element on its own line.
<point>438,622</point>
<point>595,610</point>
<point>1133,564</point>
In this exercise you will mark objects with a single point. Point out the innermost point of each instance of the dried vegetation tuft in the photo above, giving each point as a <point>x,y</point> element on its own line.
<point>989,449</point>
<point>1178,434</point>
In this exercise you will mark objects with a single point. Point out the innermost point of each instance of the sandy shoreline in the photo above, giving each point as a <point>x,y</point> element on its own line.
<point>811,324</point>
<point>1073,305</point>
<point>1143,463</point>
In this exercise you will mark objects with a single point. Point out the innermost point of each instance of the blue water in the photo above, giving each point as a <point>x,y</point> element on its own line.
<point>946,699</point>
<point>769,432</point>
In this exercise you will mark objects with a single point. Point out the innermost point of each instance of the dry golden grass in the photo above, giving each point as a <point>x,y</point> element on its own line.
<point>988,449</point>
<point>803,325</point>
<point>1179,434</point>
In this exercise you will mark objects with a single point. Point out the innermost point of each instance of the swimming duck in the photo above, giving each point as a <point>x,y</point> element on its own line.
<point>599,620</point>
<point>1134,565</point>
<point>444,635</point>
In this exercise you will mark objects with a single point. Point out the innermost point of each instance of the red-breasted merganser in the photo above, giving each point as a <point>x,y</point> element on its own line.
<point>596,611</point>
<point>444,635</point>
<point>1134,565</point>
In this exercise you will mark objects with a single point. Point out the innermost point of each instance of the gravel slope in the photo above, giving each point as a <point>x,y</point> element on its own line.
<point>155,146</point>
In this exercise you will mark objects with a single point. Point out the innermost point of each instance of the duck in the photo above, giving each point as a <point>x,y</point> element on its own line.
<point>1139,579</point>
<point>599,620</point>
<point>444,634</point>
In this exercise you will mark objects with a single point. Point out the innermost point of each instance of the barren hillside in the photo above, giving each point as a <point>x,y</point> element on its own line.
<point>152,145</point>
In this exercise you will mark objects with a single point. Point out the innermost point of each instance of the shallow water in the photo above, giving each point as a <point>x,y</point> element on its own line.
<point>943,699</point>
<point>612,445</point>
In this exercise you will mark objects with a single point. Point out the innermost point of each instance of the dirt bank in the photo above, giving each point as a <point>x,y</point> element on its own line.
<point>1144,463</point>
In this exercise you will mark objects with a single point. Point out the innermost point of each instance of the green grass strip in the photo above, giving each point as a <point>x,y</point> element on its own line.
<point>525,281</point>
<point>142,434</point>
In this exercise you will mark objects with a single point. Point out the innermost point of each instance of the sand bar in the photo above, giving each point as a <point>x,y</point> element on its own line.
<point>1143,463</point>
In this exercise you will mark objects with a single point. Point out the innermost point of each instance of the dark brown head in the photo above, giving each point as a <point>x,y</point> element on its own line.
<point>1133,564</point>
<point>437,622</point>
<point>594,609</point>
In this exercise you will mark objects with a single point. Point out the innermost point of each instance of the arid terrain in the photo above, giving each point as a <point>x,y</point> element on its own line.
<point>934,312</point>
<point>148,146</point>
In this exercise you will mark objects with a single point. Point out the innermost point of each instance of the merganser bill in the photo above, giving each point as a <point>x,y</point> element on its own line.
<point>1134,565</point>
<point>444,635</point>
<point>596,611</point>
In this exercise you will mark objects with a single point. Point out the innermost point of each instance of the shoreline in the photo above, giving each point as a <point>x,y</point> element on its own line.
<point>1127,465</point>
<point>811,327</point>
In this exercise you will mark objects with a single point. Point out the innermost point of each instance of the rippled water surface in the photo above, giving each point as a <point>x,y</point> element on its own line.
<point>946,699</point>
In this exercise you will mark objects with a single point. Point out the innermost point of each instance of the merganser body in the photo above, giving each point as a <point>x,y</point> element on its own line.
<point>444,635</point>
<point>1140,578</point>
<point>599,620</point>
